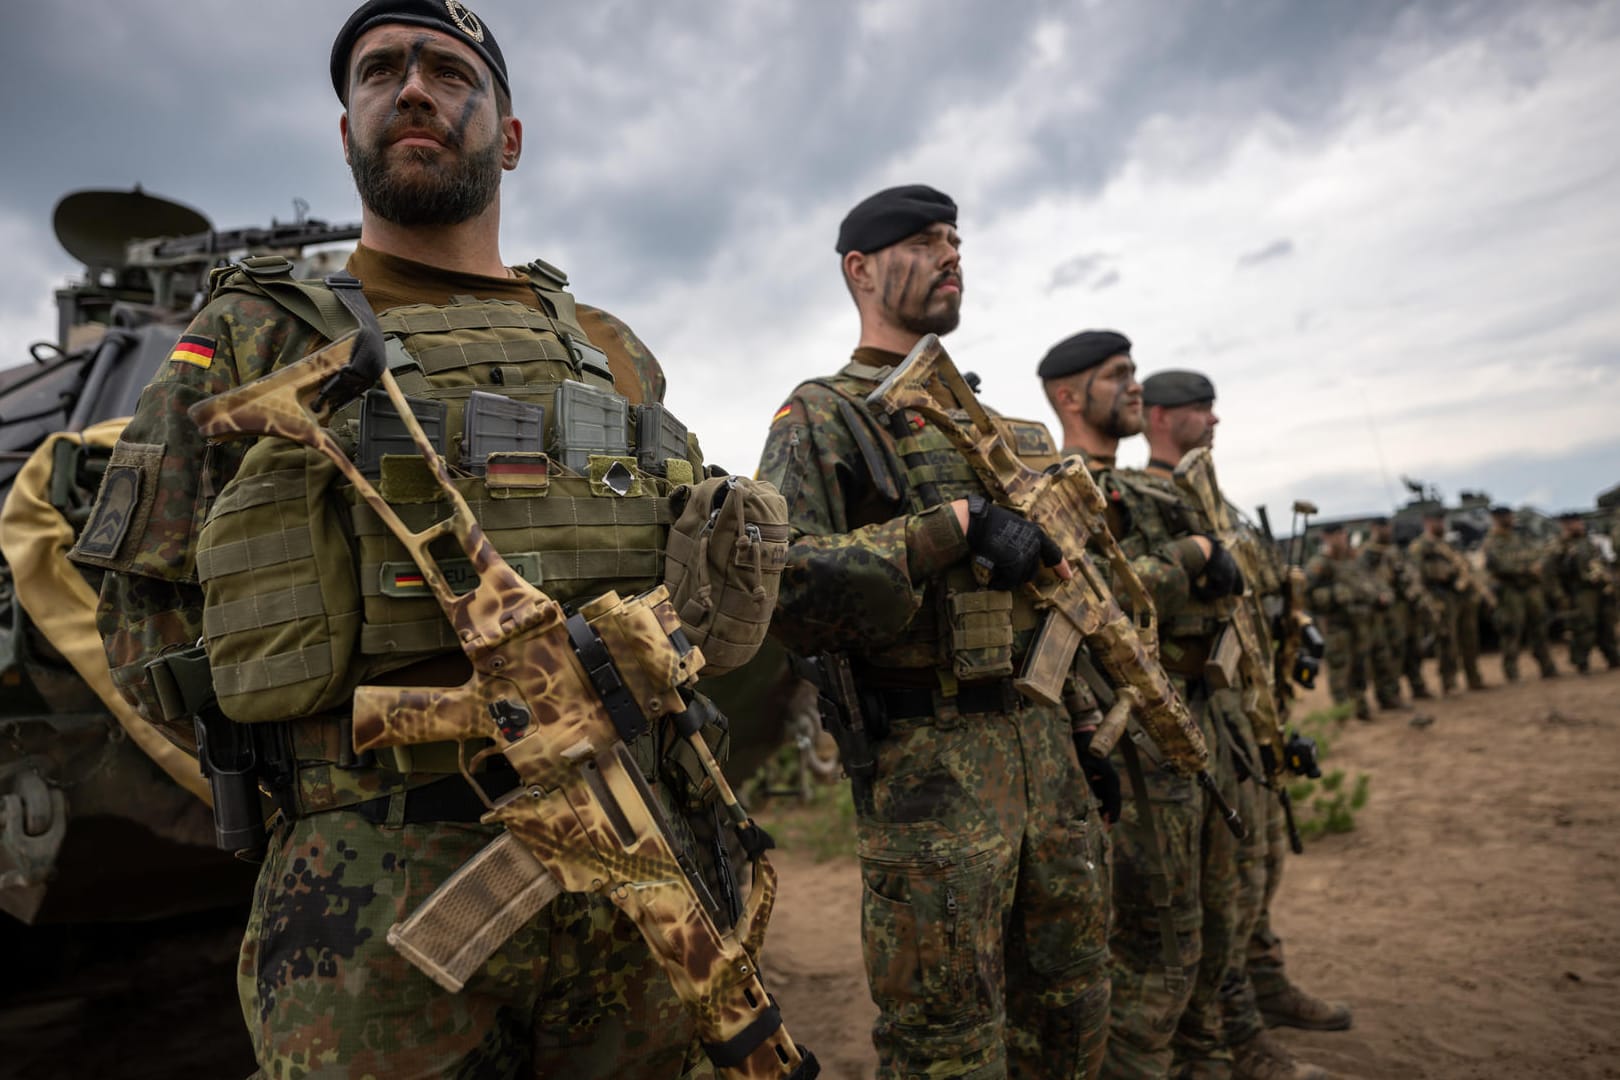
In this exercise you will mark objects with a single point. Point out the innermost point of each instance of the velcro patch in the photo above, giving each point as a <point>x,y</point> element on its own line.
<point>115,509</point>
<point>404,579</point>
<point>194,349</point>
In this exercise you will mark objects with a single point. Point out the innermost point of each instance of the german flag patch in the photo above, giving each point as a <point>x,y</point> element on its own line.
<point>194,349</point>
<point>783,411</point>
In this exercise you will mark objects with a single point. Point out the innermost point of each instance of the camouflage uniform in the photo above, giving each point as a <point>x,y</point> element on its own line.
<point>574,992</point>
<point>1457,631</point>
<point>1409,617</point>
<point>1151,1016</point>
<point>1200,1044</point>
<point>1343,596</point>
<point>1386,623</point>
<point>1514,563</point>
<point>985,908</point>
<point>1587,584</point>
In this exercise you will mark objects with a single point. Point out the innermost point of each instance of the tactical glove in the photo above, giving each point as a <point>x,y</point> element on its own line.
<point>1221,576</point>
<point>1101,777</point>
<point>1006,546</point>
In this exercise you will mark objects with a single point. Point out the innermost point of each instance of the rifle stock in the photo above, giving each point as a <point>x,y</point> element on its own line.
<point>559,696</point>
<point>1069,508</point>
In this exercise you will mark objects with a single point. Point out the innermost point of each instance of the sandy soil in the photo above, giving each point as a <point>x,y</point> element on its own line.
<point>1472,919</point>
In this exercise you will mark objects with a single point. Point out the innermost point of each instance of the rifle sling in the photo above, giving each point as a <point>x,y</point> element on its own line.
<point>735,1051</point>
<point>1158,877</point>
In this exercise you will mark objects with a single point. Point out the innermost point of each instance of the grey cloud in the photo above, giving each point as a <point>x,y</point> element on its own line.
<point>1107,281</point>
<point>1076,271</point>
<point>1277,249</point>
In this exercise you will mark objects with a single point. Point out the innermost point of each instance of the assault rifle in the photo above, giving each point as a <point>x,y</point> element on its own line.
<point>1069,508</point>
<point>559,695</point>
<point>1259,680</point>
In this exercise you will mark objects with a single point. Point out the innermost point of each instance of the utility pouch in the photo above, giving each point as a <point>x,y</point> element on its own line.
<point>1221,668</point>
<point>727,548</point>
<point>281,603</point>
<point>981,633</point>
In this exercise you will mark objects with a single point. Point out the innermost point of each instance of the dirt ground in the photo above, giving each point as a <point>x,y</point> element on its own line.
<point>1471,919</point>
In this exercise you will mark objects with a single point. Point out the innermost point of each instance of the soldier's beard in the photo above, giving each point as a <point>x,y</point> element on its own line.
<point>1116,423</point>
<point>438,187</point>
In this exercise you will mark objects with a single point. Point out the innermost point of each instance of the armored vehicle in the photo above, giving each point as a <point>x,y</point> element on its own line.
<point>101,818</point>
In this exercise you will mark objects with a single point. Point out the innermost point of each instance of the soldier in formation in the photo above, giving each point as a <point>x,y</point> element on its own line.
<point>1400,623</point>
<point>1242,984</point>
<point>984,859</point>
<point>1451,585</point>
<point>1586,588</point>
<point>1344,597</point>
<point>1090,381</point>
<point>1515,563</point>
<point>428,130</point>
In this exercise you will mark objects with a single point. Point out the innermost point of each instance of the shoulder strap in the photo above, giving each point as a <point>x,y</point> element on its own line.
<point>270,276</point>
<point>882,462</point>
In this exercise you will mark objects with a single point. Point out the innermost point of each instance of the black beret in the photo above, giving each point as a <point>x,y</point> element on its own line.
<point>450,16</point>
<point>892,215</point>
<point>1173,388</point>
<point>1381,519</point>
<point>1082,352</point>
<point>1501,511</point>
<point>1333,528</point>
<point>1435,512</point>
<point>1569,515</point>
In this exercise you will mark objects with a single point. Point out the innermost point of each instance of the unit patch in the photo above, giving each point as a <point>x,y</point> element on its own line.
<point>120,494</point>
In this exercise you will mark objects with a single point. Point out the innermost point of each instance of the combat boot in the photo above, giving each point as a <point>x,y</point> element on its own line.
<point>1362,711</point>
<point>1421,692</point>
<point>1293,1007</point>
<point>1263,1057</point>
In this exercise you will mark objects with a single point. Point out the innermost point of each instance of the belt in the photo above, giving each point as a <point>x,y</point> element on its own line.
<point>913,702</point>
<point>449,799</point>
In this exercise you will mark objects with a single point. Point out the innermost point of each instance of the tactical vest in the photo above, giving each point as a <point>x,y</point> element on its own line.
<point>307,594</point>
<point>1157,517</point>
<point>973,631</point>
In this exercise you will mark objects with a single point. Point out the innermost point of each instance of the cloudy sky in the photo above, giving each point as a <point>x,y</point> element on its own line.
<point>1390,232</point>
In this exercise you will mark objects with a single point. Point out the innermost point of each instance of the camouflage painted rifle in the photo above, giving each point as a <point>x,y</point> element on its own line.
<point>1069,508</point>
<point>1246,618</point>
<point>560,696</point>
<point>1300,645</point>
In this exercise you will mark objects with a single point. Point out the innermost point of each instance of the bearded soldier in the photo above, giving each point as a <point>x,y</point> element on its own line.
<point>984,911</point>
<point>1514,562</point>
<point>1090,381</point>
<point>1586,583</point>
<point>1223,1022</point>
<point>226,541</point>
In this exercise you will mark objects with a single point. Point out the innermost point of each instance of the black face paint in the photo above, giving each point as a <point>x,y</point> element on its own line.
<point>911,313</point>
<point>427,187</point>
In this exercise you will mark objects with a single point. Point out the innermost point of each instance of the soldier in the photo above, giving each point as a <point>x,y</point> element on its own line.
<point>1586,585</point>
<point>1450,584</point>
<point>985,907</point>
<point>1090,380</point>
<point>427,129</point>
<point>1222,1031</point>
<point>1343,596</point>
<point>1515,565</point>
<point>1391,619</point>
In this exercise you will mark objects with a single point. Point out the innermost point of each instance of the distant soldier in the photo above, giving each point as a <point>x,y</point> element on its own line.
<point>1342,596</point>
<point>1514,563</point>
<point>1445,574</point>
<point>1586,584</point>
<point>1389,622</point>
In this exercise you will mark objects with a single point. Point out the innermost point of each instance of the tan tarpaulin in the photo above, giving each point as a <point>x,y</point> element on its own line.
<point>35,539</point>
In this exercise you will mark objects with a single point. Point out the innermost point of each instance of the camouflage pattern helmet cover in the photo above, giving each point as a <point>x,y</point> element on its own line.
<point>448,16</point>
